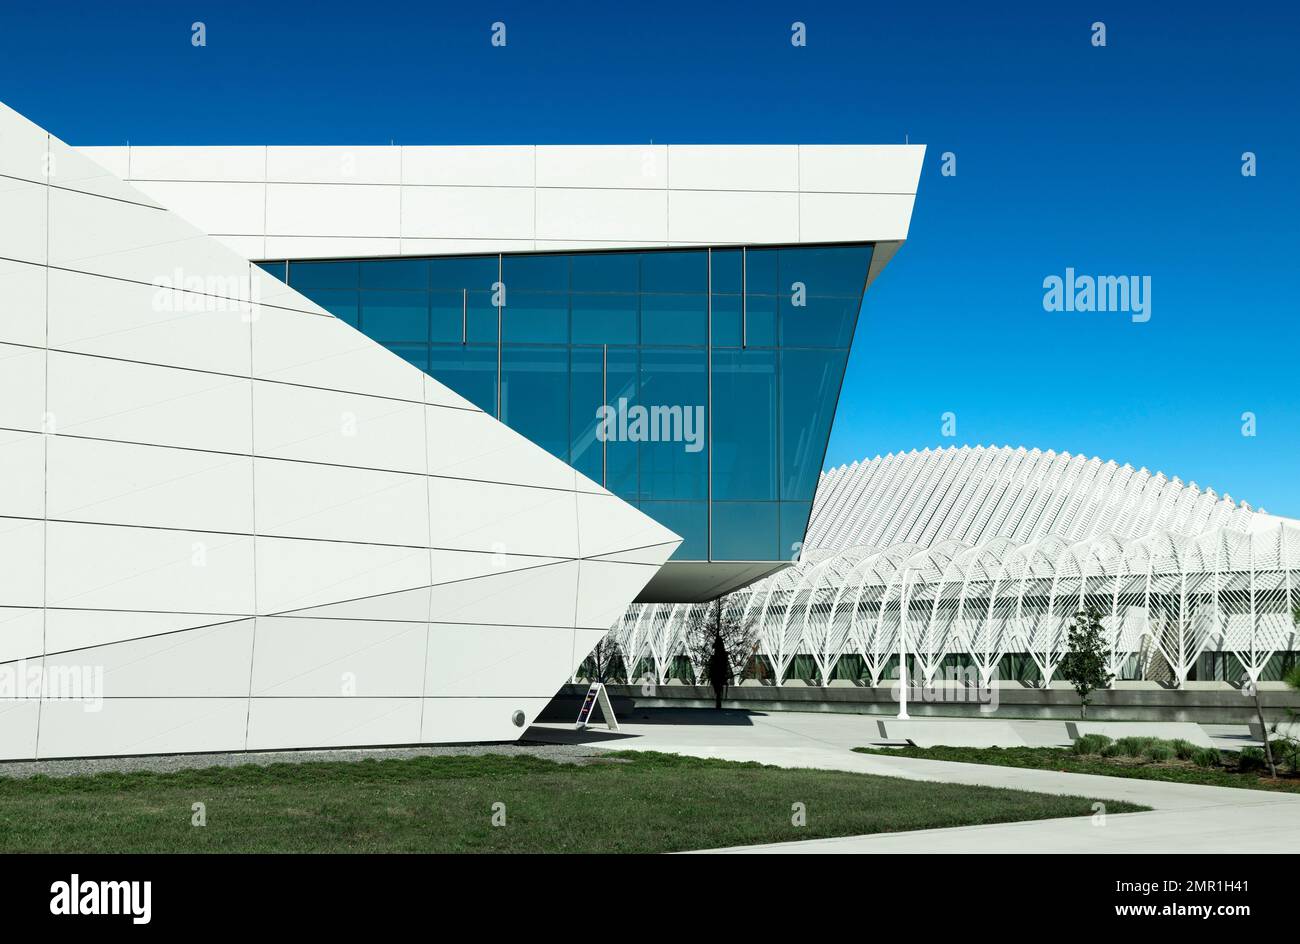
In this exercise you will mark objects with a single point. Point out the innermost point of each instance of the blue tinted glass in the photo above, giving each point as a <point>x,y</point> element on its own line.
<point>395,273</point>
<point>589,453</point>
<point>481,318</point>
<point>670,424</point>
<point>586,388</point>
<point>417,354</point>
<point>760,271</point>
<point>794,524</point>
<point>744,424</point>
<point>760,321</point>
<point>278,269</point>
<point>534,274</point>
<point>673,319</point>
<point>604,319</point>
<point>339,303</point>
<point>726,272</point>
<point>825,270</point>
<point>535,317</point>
<point>447,316</point>
<point>690,520</point>
<point>395,316</point>
<point>606,272</point>
<point>745,531</point>
<point>818,322</point>
<point>772,408</point>
<point>675,271</point>
<point>535,395</point>
<point>726,320</point>
<point>469,370</point>
<point>323,275</point>
<point>476,273</point>
<point>810,384</point>
<point>622,453</point>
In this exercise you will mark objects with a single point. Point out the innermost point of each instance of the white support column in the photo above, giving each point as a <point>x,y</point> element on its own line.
<point>1117,627</point>
<point>1284,562</point>
<point>1185,645</point>
<point>1256,669</point>
<point>902,650</point>
<point>1220,619</point>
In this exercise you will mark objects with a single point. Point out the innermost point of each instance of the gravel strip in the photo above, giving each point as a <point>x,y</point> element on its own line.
<point>163,763</point>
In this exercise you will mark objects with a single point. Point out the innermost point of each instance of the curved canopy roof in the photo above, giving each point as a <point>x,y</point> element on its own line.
<point>972,494</point>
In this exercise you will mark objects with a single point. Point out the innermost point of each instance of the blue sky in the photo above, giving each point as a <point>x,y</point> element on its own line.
<point>1123,160</point>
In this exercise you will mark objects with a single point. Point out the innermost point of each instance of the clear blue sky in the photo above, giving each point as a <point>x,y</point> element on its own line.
<point>1122,160</point>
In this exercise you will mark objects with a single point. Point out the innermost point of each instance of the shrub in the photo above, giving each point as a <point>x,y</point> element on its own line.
<point>1110,750</point>
<point>1091,743</point>
<point>1206,757</point>
<point>1134,746</point>
<point>1184,749</point>
<point>1292,677</point>
<point>1251,758</point>
<point>1160,751</point>
<point>1287,751</point>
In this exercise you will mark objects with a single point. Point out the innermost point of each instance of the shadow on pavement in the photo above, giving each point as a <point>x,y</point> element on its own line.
<point>730,717</point>
<point>559,732</point>
<point>548,735</point>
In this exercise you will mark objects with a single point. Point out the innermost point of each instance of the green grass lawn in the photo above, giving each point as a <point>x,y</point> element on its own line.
<point>1062,758</point>
<point>626,802</point>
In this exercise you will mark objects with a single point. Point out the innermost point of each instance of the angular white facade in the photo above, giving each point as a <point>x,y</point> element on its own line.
<point>230,521</point>
<point>293,207</point>
<point>311,202</point>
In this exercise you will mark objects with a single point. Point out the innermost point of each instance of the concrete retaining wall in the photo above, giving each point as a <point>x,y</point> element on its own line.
<point>1206,703</point>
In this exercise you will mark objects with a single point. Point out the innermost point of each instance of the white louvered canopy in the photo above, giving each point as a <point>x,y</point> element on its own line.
<point>977,553</point>
<point>974,493</point>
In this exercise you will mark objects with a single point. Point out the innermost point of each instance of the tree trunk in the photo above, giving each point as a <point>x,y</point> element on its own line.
<point>719,685</point>
<point>1268,747</point>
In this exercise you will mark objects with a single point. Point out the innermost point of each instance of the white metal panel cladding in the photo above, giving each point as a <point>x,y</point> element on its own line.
<point>972,568</point>
<point>231,521</point>
<point>316,202</point>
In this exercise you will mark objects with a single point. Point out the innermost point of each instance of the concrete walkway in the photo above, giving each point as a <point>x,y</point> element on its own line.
<point>1184,817</point>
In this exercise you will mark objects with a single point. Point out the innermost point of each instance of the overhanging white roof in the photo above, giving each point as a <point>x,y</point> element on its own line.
<point>271,202</point>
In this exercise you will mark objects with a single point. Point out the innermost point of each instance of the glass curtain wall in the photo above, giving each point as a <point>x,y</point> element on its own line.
<point>698,385</point>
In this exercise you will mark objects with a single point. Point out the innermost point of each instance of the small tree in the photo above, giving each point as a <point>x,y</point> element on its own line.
<point>719,644</point>
<point>605,659</point>
<point>1289,742</point>
<point>1252,688</point>
<point>1084,665</point>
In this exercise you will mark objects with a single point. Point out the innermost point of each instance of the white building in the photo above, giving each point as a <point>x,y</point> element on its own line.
<point>293,207</point>
<point>231,521</point>
<point>975,560</point>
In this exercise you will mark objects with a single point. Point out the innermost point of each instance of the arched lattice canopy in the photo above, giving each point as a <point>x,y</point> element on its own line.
<point>1166,600</point>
